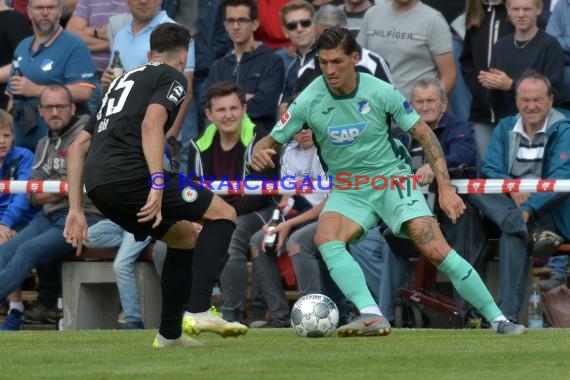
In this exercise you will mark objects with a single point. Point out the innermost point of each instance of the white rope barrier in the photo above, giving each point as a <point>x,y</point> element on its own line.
<point>464,186</point>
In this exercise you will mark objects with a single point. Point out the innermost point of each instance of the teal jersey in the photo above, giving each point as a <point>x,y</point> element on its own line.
<point>352,132</point>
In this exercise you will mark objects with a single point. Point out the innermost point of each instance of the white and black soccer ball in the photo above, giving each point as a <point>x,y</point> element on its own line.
<point>314,316</point>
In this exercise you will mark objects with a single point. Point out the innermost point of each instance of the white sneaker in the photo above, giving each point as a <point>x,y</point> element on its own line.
<point>211,321</point>
<point>508,328</point>
<point>183,341</point>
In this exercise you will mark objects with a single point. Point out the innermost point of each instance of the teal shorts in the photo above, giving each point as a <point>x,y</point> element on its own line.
<point>395,201</point>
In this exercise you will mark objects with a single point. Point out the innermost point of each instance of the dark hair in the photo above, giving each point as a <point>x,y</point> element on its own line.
<point>533,74</point>
<point>57,87</point>
<point>221,89</point>
<point>169,37</point>
<point>337,37</point>
<point>251,4</point>
<point>475,12</point>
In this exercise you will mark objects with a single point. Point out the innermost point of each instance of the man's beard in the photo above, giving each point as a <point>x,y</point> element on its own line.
<point>44,29</point>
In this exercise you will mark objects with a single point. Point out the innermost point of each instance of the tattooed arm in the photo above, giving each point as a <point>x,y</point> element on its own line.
<point>449,201</point>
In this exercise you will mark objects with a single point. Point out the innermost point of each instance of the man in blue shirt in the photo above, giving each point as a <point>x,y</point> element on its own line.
<point>51,55</point>
<point>133,44</point>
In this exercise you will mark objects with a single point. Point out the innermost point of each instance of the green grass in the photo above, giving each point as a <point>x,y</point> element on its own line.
<point>280,354</point>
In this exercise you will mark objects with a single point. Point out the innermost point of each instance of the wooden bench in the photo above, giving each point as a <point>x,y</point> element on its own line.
<point>90,295</point>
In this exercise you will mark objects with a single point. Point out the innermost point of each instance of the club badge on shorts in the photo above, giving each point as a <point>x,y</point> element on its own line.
<point>189,194</point>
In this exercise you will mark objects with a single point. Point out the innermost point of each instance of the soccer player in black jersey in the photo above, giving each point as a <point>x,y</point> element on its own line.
<point>120,157</point>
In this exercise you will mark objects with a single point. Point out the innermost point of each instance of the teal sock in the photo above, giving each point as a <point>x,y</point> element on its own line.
<point>468,283</point>
<point>346,273</point>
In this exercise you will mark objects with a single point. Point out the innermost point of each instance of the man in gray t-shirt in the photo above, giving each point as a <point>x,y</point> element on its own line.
<point>415,40</point>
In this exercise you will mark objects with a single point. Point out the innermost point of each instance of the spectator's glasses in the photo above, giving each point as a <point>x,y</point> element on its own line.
<point>240,21</point>
<point>291,26</point>
<point>48,8</point>
<point>51,107</point>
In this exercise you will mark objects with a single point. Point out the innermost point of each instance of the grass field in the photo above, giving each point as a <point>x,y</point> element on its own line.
<point>280,354</point>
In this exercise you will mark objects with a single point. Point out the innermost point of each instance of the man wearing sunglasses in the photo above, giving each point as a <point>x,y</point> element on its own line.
<point>297,17</point>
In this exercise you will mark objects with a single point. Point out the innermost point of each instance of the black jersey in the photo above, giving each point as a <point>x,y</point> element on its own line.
<point>116,154</point>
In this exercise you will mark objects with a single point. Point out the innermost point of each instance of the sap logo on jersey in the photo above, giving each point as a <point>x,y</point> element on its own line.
<point>344,135</point>
<point>176,92</point>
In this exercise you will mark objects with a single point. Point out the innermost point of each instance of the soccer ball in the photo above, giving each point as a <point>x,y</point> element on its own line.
<point>314,316</point>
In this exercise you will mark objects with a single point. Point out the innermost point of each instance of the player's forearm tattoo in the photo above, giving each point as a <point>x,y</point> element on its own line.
<point>432,149</point>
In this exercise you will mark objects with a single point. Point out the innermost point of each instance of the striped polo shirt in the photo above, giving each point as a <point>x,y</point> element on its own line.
<point>530,152</point>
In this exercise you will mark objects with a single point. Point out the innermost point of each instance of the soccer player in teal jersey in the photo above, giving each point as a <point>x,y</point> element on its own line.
<point>348,113</point>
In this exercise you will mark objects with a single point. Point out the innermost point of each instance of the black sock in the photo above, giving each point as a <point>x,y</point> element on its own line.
<point>176,283</point>
<point>211,254</point>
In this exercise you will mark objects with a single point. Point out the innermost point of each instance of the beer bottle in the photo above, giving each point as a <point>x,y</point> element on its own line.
<point>16,71</point>
<point>16,66</point>
<point>270,239</point>
<point>117,65</point>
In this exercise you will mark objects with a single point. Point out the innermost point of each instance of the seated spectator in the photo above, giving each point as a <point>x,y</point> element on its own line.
<point>222,152</point>
<point>51,55</point>
<point>297,236</point>
<point>299,160</point>
<point>42,239</point>
<point>532,144</point>
<point>15,165</point>
<point>15,211</point>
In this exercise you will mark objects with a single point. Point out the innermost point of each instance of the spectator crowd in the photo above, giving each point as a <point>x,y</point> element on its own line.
<point>491,78</point>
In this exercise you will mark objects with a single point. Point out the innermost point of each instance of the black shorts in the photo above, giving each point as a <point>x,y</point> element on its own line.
<point>122,202</point>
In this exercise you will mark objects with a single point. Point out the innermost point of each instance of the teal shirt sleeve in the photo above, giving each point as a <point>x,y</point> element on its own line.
<point>291,122</point>
<point>400,109</point>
